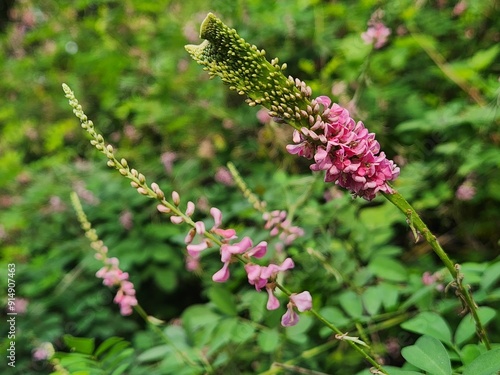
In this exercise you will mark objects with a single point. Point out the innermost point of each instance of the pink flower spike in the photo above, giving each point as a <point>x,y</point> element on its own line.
<point>290,318</point>
<point>303,301</point>
<point>222,275</point>
<point>272,302</point>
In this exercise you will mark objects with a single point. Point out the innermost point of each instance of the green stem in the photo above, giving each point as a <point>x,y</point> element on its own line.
<point>353,345</point>
<point>462,291</point>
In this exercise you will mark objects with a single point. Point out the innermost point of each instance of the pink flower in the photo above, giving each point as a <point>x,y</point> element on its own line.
<point>227,234</point>
<point>302,301</point>
<point>465,192</point>
<point>21,305</point>
<point>272,301</point>
<point>222,275</point>
<point>125,297</point>
<point>168,158</point>
<point>428,279</point>
<point>112,275</point>
<point>224,177</point>
<point>277,223</point>
<point>459,8</point>
<point>290,318</point>
<point>44,351</point>
<point>263,116</point>
<point>227,251</point>
<point>259,276</point>
<point>347,152</point>
<point>376,34</point>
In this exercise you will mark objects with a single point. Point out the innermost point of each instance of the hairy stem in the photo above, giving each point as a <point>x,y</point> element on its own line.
<point>462,291</point>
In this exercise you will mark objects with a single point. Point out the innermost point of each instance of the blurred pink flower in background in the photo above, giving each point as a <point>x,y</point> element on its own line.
<point>431,279</point>
<point>167,159</point>
<point>126,220</point>
<point>465,192</point>
<point>459,8</point>
<point>263,116</point>
<point>44,351</point>
<point>377,33</point>
<point>224,177</point>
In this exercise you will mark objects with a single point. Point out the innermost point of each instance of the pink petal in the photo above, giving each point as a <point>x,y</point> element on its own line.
<point>222,275</point>
<point>303,301</point>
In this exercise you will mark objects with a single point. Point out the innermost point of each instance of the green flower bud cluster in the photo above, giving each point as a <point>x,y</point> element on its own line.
<point>245,69</point>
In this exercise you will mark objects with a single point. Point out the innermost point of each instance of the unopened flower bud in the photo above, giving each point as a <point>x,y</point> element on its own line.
<point>176,198</point>
<point>163,209</point>
<point>190,208</point>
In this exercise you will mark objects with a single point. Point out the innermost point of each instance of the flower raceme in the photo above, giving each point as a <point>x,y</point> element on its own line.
<point>111,273</point>
<point>325,132</point>
<point>261,277</point>
<point>346,151</point>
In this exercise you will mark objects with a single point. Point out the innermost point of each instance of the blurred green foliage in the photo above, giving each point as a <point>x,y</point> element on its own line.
<point>431,95</point>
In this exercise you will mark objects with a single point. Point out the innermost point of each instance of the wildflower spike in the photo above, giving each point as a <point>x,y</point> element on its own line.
<point>341,147</point>
<point>245,70</point>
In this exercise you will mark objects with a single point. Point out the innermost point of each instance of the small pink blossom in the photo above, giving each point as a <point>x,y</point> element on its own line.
<point>193,263</point>
<point>217,215</point>
<point>376,34</point>
<point>259,276</point>
<point>223,176</point>
<point>278,224</point>
<point>302,301</point>
<point>190,208</point>
<point>112,275</point>
<point>272,301</point>
<point>258,251</point>
<point>222,275</point>
<point>126,220</point>
<point>465,192</point>
<point>459,8</point>
<point>194,249</point>
<point>227,234</point>
<point>168,158</point>
<point>431,279</point>
<point>21,305</point>
<point>263,116</point>
<point>290,318</point>
<point>43,352</point>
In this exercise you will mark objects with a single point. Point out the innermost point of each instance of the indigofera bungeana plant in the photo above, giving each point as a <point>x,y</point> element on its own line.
<point>324,132</point>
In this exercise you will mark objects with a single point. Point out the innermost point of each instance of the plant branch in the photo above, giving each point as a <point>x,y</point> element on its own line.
<point>462,291</point>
